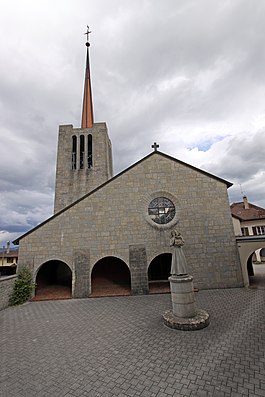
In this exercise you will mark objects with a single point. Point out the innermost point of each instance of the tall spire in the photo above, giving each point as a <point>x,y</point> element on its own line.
<point>87,113</point>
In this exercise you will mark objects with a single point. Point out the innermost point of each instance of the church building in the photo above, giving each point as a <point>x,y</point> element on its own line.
<point>109,235</point>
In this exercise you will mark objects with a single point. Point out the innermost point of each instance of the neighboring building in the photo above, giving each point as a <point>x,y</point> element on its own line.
<point>9,256</point>
<point>8,261</point>
<point>248,219</point>
<point>113,232</point>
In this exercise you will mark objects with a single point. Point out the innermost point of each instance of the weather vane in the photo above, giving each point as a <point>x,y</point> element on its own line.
<point>87,33</point>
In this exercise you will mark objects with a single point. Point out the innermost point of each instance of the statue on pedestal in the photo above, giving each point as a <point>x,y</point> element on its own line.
<point>178,263</point>
<point>184,314</point>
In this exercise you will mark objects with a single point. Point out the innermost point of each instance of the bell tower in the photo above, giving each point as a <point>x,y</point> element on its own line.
<point>84,155</point>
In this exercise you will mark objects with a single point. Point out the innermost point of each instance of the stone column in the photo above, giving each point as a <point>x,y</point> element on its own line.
<point>182,296</point>
<point>138,268</point>
<point>184,314</point>
<point>81,273</point>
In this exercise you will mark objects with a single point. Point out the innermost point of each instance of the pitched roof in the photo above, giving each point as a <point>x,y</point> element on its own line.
<point>156,152</point>
<point>254,212</point>
<point>12,253</point>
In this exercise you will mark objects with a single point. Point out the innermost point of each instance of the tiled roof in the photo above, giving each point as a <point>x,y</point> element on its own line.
<point>239,211</point>
<point>13,253</point>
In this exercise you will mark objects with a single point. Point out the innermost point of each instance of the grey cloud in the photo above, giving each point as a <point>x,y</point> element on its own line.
<point>136,47</point>
<point>243,158</point>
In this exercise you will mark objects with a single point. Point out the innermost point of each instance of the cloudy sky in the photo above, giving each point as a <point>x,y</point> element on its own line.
<point>188,74</point>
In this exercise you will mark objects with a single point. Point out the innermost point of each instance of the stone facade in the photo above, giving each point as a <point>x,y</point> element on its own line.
<point>74,177</point>
<point>6,287</point>
<point>113,220</point>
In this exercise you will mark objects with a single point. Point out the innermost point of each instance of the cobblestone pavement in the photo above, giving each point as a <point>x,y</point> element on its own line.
<point>118,346</point>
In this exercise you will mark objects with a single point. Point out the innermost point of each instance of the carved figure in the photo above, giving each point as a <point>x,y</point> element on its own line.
<point>178,263</point>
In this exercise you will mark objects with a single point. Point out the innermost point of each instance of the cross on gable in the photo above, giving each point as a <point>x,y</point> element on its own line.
<point>155,146</point>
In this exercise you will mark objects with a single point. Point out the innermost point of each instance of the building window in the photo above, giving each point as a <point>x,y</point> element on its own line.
<point>89,151</point>
<point>82,151</point>
<point>74,139</point>
<point>244,231</point>
<point>258,230</point>
<point>10,260</point>
<point>161,210</point>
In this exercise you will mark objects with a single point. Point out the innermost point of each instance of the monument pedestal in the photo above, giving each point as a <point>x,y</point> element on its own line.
<point>184,316</point>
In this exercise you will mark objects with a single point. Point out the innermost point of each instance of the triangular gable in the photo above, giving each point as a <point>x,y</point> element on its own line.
<point>228,184</point>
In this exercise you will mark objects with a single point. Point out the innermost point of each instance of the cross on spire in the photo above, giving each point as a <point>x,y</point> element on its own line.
<point>87,33</point>
<point>155,146</point>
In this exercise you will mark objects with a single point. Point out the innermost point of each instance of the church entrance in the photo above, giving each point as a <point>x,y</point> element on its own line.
<point>53,281</point>
<point>110,277</point>
<point>158,273</point>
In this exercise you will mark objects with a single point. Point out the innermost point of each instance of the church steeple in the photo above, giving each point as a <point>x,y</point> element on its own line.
<point>87,113</point>
<point>84,156</point>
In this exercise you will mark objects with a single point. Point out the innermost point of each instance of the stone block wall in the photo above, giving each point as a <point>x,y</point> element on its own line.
<point>6,287</point>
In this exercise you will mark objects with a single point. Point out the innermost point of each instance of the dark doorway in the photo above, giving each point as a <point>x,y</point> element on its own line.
<point>158,273</point>
<point>53,281</point>
<point>110,277</point>
<point>250,266</point>
<point>256,271</point>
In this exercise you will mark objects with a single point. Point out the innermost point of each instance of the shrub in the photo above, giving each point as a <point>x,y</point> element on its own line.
<point>23,287</point>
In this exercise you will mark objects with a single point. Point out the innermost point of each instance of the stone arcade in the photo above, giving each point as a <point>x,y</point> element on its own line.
<point>109,235</point>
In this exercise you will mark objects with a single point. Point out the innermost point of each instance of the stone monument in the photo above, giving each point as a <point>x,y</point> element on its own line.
<point>184,314</point>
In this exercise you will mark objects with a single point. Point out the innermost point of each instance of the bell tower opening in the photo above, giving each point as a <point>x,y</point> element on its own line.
<point>74,152</point>
<point>89,151</point>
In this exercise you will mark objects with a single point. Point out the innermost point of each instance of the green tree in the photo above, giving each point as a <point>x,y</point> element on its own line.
<point>23,287</point>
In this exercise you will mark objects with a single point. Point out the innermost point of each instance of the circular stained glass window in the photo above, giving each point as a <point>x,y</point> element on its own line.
<point>161,210</point>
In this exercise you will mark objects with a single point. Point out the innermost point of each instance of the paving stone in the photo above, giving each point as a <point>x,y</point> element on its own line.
<point>118,346</point>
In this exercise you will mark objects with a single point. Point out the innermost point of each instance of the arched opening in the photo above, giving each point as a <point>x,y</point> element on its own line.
<point>74,143</point>
<point>262,255</point>
<point>89,151</point>
<point>256,269</point>
<point>53,281</point>
<point>110,277</point>
<point>82,151</point>
<point>158,274</point>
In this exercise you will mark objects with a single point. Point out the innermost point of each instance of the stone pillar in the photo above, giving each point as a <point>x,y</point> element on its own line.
<point>138,268</point>
<point>182,296</point>
<point>81,273</point>
<point>184,314</point>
